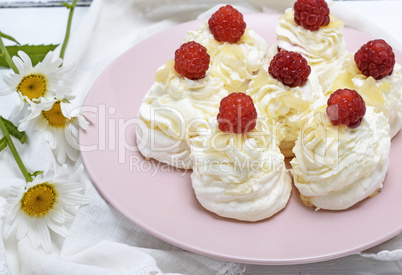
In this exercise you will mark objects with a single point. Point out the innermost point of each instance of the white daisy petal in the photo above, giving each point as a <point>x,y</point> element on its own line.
<point>42,125</point>
<point>56,227</point>
<point>72,153</point>
<point>20,64</point>
<point>61,230</point>
<point>21,231</point>
<point>60,155</point>
<point>58,216</point>
<point>77,173</point>
<point>24,57</point>
<point>18,107</point>
<point>52,141</point>
<point>27,63</point>
<point>68,216</point>
<point>82,122</point>
<point>6,90</point>
<point>44,236</point>
<point>34,236</point>
<point>65,109</point>
<point>7,230</point>
<point>48,58</point>
<point>59,91</point>
<point>8,80</point>
<point>45,106</point>
<point>54,65</point>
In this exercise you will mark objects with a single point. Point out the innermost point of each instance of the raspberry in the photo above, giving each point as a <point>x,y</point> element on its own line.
<point>227,24</point>
<point>237,114</point>
<point>290,68</point>
<point>375,58</point>
<point>191,60</point>
<point>346,107</point>
<point>311,14</point>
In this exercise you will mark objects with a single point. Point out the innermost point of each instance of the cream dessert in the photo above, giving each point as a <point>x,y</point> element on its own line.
<point>286,107</point>
<point>324,48</point>
<point>234,62</point>
<point>336,166</point>
<point>240,176</point>
<point>171,112</point>
<point>385,94</point>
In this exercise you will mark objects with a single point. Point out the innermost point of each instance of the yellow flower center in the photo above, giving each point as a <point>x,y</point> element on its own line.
<point>32,86</point>
<point>55,116</point>
<point>38,200</point>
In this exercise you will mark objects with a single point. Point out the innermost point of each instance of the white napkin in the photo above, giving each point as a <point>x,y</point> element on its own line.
<point>101,240</point>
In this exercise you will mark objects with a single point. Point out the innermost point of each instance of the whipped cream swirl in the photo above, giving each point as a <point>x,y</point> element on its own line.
<point>234,63</point>
<point>324,49</point>
<point>286,107</point>
<point>335,166</point>
<point>171,113</point>
<point>240,176</point>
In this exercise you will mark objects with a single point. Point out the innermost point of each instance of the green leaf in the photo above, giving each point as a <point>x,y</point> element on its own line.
<point>36,52</point>
<point>34,174</point>
<point>13,130</point>
<point>9,37</point>
<point>3,143</point>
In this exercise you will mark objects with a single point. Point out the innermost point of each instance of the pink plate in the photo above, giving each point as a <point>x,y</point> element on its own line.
<point>160,199</point>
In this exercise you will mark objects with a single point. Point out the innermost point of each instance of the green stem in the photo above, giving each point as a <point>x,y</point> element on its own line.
<point>67,35</point>
<point>13,150</point>
<point>7,56</point>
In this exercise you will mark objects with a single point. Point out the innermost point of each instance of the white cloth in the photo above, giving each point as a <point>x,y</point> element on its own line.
<point>101,240</point>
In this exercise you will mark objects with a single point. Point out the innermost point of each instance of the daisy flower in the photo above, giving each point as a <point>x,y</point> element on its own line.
<point>59,121</point>
<point>34,83</point>
<point>43,204</point>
